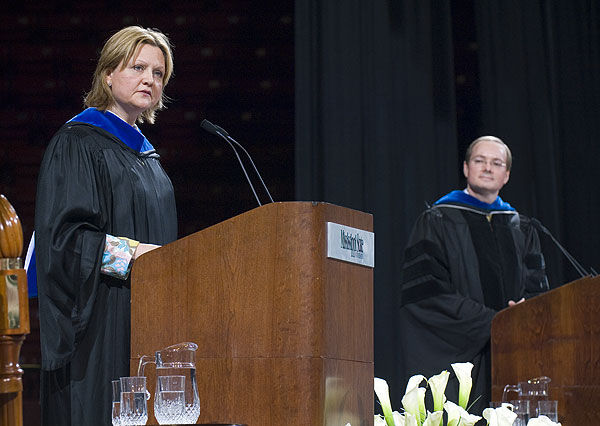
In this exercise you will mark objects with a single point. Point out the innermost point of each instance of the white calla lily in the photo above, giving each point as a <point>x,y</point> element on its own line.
<point>414,403</point>
<point>469,419</point>
<point>506,416</point>
<point>459,416</point>
<point>488,414</point>
<point>414,382</point>
<point>382,391</point>
<point>453,411</point>
<point>438,384</point>
<point>415,413</point>
<point>410,420</point>
<point>463,373</point>
<point>542,421</point>
<point>434,419</point>
<point>501,416</point>
<point>379,421</point>
<point>399,419</point>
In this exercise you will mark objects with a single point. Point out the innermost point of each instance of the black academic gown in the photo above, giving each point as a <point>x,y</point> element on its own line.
<point>462,265</point>
<point>90,184</point>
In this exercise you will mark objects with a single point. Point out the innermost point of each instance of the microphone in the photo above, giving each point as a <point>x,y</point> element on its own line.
<point>211,128</point>
<point>580,269</point>
<point>219,131</point>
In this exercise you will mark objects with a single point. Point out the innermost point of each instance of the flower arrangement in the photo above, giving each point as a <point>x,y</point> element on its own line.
<point>416,414</point>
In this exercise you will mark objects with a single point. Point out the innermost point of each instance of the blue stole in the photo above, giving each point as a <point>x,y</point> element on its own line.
<point>113,124</point>
<point>461,197</point>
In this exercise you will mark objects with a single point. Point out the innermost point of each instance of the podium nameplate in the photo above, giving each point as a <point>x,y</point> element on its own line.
<point>350,244</point>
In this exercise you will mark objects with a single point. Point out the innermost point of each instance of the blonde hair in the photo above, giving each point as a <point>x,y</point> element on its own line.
<point>120,48</point>
<point>491,139</point>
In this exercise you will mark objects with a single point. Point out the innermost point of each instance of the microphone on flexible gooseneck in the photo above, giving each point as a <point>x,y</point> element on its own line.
<point>580,269</point>
<point>249,158</point>
<point>211,128</point>
<point>217,130</point>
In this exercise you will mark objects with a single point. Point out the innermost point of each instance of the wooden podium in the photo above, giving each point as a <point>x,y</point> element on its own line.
<point>556,334</point>
<point>285,334</point>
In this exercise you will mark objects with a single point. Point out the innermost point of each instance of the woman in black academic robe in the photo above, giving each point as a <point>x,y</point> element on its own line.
<point>102,200</point>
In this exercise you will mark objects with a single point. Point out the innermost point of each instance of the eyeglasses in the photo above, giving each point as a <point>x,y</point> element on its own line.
<point>481,162</point>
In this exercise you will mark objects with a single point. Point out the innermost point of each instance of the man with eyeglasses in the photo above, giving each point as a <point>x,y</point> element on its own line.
<point>470,255</point>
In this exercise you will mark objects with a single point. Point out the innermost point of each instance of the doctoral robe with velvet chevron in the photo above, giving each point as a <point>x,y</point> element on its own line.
<point>465,260</point>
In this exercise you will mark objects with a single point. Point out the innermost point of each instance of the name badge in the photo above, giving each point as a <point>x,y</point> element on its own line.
<point>350,244</point>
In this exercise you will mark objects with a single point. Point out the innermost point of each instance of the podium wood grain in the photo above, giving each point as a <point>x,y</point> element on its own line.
<point>285,334</point>
<point>556,334</point>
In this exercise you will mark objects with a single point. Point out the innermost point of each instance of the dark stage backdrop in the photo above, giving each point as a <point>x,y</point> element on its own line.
<point>375,125</point>
<point>376,120</point>
<point>540,85</point>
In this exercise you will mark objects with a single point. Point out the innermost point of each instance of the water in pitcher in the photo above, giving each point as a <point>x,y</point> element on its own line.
<point>191,410</point>
<point>169,399</point>
<point>178,360</point>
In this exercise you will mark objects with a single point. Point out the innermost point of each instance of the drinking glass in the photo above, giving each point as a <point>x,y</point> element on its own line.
<point>521,409</point>
<point>116,403</point>
<point>549,409</point>
<point>169,400</point>
<point>134,409</point>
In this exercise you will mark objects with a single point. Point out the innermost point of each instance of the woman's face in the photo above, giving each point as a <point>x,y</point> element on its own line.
<point>139,85</point>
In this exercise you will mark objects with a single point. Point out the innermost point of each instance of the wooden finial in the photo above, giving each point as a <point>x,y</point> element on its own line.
<point>11,233</point>
<point>14,315</point>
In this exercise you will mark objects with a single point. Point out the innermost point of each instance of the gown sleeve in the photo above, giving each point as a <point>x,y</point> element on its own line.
<point>442,316</point>
<point>70,218</point>
<point>534,265</point>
